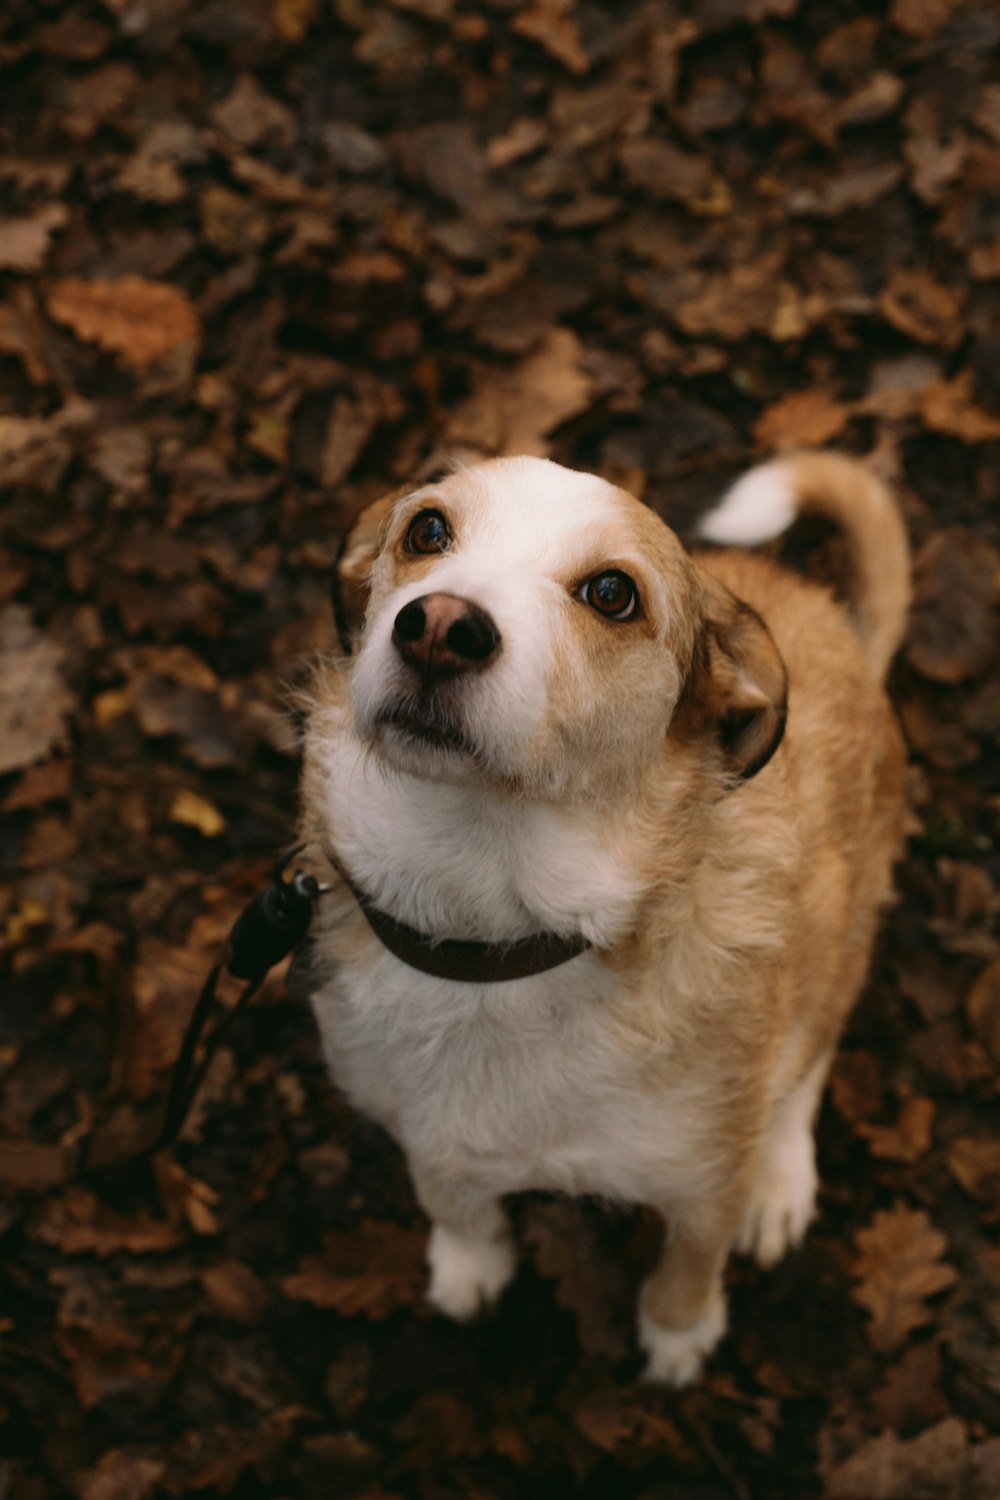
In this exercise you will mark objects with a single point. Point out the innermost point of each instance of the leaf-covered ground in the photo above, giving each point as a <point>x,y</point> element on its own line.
<point>261,260</point>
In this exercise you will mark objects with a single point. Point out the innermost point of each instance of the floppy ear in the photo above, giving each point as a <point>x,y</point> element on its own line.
<point>737,690</point>
<point>352,570</point>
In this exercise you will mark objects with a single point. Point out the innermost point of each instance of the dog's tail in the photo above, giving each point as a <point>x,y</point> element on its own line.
<point>766,501</point>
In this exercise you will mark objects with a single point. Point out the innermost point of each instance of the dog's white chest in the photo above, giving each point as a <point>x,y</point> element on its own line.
<point>516,1085</point>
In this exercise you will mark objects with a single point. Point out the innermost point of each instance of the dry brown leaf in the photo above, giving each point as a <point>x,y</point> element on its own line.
<point>898,1266</point>
<point>24,243</point>
<point>121,1476</point>
<point>922,308</point>
<point>974,1162</point>
<point>350,426</point>
<point>78,1223</point>
<point>920,18</point>
<point>933,1466</point>
<point>949,406</point>
<point>140,320</point>
<point>856,1085</point>
<point>168,976</point>
<point>563,1247</point>
<point>953,621</point>
<point>621,1419</point>
<point>982,1006</point>
<point>293,18</point>
<point>34,700</point>
<point>373,1271</point>
<point>513,409</point>
<point>911,1394</point>
<point>250,115</point>
<point>909,1139</point>
<point>805,419</point>
<point>984,261</point>
<point>665,171</point>
<point>552,24</point>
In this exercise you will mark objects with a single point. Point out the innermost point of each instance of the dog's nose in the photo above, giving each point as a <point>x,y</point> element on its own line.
<point>441,635</point>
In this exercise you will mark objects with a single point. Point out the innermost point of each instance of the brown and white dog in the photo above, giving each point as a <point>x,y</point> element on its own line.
<point>685,771</point>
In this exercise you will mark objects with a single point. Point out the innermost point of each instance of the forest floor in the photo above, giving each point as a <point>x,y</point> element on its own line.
<point>261,260</point>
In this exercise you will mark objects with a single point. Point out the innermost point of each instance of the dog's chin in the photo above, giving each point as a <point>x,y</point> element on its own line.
<point>426,745</point>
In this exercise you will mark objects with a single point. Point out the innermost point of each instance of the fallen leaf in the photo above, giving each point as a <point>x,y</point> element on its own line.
<point>933,1466</point>
<point>250,115</point>
<point>563,1247</point>
<point>909,1139</point>
<point>898,1266</point>
<point>121,1476</point>
<point>293,18</point>
<point>625,1420</point>
<point>552,24</point>
<point>39,785</point>
<point>350,426</point>
<point>373,1271</point>
<point>665,171</point>
<point>953,633</point>
<point>911,1394</point>
<point>922,308</point>
<point>804,419</point>
<point>514,409</point>
<point>197,812</point>
<point>24,243</point>
<point>949,406</point>
<point>982,1006</point>
<point>78,1223</point>
<point>140,320</point>
<point>34,700</point>
<point>974,1162</point>
<point>920,18</point>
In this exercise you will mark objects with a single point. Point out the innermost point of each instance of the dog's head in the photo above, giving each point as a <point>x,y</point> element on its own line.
<point>539,628</point>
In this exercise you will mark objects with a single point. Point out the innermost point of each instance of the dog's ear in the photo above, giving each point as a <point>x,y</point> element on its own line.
<point>352,570</point>
<point>737,689</point>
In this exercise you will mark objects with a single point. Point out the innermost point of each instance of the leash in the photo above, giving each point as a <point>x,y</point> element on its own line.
<point>274,922</point>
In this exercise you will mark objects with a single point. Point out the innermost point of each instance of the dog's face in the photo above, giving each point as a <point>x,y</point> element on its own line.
<point>539,628</point>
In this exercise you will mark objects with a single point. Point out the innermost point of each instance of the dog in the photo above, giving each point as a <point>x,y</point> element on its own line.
<point>608,824</point>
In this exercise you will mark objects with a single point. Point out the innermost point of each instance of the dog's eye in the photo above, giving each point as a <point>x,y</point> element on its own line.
<point>428,533</point>
<point>613,595</point>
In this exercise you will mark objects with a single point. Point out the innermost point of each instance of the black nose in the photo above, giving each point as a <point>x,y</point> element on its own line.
<point>442,635</point>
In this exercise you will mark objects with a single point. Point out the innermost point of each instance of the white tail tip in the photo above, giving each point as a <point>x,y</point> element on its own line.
<point>757,508</point>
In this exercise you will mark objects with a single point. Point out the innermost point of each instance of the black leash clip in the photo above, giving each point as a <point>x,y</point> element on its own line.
<point>264,933</point>
<point>274,923</point>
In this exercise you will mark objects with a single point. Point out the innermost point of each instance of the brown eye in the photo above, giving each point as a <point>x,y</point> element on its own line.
<point>612,595</point>
<point>428,533</point>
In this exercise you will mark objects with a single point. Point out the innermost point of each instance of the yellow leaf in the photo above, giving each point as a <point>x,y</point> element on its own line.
<point>293,18</point>
<point>196,812</point>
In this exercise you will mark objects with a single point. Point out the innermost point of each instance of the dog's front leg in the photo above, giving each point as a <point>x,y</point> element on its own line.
<point>470,1252</point>
<point>682,1306</point>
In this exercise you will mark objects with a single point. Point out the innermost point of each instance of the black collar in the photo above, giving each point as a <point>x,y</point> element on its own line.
<point>465,960</point>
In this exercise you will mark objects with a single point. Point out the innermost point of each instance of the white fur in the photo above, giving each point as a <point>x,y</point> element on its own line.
<point>676,1356</point>
<point>758,507</point>
<point>467,1273</point>
<point>784,1199</point>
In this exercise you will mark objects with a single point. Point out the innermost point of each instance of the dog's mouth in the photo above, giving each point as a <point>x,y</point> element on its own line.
<point>424,725</point>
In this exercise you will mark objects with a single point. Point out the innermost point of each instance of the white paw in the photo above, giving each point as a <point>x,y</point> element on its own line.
<point>676,1355</point>
<point>467,1274</point>
<point>784,1203</point>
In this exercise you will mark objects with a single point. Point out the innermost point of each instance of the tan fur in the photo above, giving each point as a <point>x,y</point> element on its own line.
<point>756,866</point>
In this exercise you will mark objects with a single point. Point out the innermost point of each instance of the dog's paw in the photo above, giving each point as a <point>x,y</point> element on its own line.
<point>467,1274</point>
<point>783,1205</point>
<point>675,1355</point>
